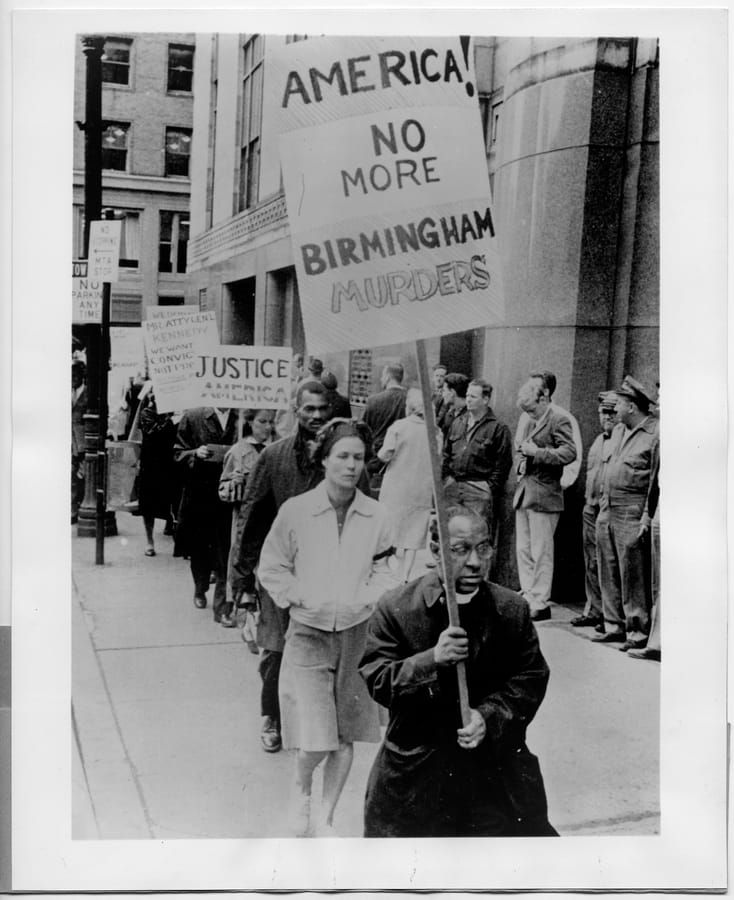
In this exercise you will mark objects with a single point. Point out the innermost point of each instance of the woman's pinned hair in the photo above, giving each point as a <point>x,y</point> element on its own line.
<point>335,430</point>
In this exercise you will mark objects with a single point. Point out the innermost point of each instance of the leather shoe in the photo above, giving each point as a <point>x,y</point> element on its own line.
<point>609,637</point>
<point>540,615</point>
<point>226,621</point>
<point>632,645</point>
<point>199,601</point>
<point>600,628</point>
<point>585,621</point>
<point>270,735</point>
<point>644,653</point>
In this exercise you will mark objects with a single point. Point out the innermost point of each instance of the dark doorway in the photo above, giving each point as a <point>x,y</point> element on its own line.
<point>240,323</point>
<point>456,352</point>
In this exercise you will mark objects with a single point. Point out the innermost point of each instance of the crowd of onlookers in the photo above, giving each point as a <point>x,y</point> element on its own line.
<point>301,519</point>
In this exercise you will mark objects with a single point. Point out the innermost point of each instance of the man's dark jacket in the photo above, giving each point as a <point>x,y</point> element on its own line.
<point>506,677</point>
<point>481,453</point>
<point>380,411</point>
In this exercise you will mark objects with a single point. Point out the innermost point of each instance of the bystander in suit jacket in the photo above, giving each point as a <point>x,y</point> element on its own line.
<point>539,477</point>
<point>380,411</point>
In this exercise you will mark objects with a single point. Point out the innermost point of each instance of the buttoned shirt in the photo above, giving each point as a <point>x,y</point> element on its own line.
<point>628,471</point>
<point>329,581</point>
<point>478,451</point>
<point>596,462</point>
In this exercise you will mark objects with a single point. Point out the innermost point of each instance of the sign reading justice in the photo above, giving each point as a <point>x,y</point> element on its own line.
<point>387,189</point>
<point>244,377</point>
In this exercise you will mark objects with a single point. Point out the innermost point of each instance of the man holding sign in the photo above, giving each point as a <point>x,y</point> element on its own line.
<point>432,777</point>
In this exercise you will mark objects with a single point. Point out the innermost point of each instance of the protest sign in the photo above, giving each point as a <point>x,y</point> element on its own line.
<point>86,295</point>
<point>244,377</point>
<point>104,249</point>
<point>166,312</point>
<point>386,183</point>
<point>173,346</point>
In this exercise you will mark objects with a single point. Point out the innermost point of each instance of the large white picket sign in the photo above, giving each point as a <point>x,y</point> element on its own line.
<point>387,189</point>
<point>173,347</point>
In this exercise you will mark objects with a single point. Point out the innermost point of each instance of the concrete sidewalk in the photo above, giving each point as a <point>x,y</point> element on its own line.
<point>166,716</point>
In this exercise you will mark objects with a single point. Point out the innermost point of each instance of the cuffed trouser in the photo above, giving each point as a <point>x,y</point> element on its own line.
<point>653,642</point>
<point>593,605</point>
<point>534,544</point>
<point>621,557</point>
<point>204,561</point>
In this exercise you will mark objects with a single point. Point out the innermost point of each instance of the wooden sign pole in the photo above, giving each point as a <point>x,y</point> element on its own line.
<point>442,520</point>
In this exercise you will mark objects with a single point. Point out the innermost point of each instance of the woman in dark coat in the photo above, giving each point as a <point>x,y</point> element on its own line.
<point>158,482</point>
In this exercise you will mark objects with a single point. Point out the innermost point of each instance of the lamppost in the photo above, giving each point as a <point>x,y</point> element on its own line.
<point>93,519</point>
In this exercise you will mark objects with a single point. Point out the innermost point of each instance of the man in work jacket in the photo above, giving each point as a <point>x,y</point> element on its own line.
<point>477,456</point>
<point>621,528</point>
<point>595,465</point>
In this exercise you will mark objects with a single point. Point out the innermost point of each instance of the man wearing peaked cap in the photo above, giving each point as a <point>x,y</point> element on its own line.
<point>641,395</point>
<point>622,527</point>
<point>596,462</point>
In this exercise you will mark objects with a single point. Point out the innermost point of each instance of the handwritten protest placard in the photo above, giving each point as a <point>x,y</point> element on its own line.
<point>166,312</point>
<point>244,377</point>
<point>387,189</point>
<point>173,346</point>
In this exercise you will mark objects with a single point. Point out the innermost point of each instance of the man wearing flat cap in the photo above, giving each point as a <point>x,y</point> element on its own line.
<point>596,463</point>
<point>621,528</point>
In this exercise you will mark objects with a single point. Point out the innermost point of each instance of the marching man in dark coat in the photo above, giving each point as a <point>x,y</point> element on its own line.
<point>432,777</point>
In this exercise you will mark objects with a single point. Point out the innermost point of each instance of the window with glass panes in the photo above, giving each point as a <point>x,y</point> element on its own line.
<point>129,235</point>
<point>251,120</point>
<point>116,61</point>
<point>114,145</point>
<point>178,151</point>
<point>180,67</point>
<point>173,241</point>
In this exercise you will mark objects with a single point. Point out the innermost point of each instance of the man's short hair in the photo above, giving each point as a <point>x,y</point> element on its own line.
<point>313,387</point>
<point>549,381</point>
<point>328,379</point>
<point>454,512</point>
<point>395,371</point>
<point>484,385</point>
<point>440,366</point>
<point>457,382</point>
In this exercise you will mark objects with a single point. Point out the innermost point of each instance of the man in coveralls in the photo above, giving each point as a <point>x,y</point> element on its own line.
<point>622,526</point>
<point>432,777</point>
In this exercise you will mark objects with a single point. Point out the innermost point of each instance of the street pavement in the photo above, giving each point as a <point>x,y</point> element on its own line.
<point>166,716</point>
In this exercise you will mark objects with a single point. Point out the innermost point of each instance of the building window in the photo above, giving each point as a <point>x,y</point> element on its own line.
<point>202,299</point>
<point>173,242</point>
<point>495,122</point>
<point>129,235</point>
<point>170,301</point>
<point>116,61</point>
<point>178,151</point>
<point>292,38</point>
<point>114,145</point>
<point>180,67</point>
<point>251,118</point>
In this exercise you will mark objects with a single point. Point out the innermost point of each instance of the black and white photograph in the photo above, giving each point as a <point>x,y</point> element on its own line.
<point>381,340</point>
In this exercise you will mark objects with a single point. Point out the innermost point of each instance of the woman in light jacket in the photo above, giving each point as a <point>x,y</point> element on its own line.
<point>325,559</point>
